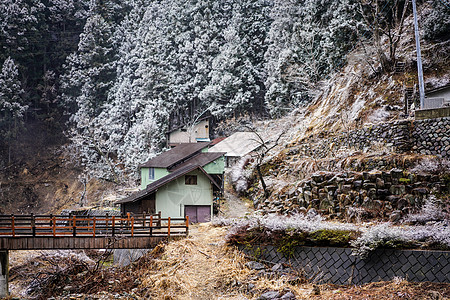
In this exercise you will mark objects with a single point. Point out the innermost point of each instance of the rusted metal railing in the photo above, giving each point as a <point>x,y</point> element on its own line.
<point>95,226</point>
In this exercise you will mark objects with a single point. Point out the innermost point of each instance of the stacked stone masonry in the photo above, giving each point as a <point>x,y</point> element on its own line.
<point>339,266</point>
<point>430,136</point>
<point>352,194</point>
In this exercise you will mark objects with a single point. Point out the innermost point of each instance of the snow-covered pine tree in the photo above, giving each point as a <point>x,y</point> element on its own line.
<point>235,82</point>
<point>12,106</point>
<point>307,40</point>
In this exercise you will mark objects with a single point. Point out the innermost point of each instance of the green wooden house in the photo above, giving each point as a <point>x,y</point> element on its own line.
<point>180,182</point>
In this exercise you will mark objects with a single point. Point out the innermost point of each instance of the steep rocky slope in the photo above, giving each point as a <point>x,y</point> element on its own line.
<point>355,126</point>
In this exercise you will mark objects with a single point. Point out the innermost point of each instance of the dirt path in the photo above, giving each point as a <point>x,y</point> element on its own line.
<point>234,206</point>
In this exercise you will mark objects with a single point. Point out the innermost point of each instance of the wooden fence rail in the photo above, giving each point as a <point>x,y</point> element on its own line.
<point>92,226</point>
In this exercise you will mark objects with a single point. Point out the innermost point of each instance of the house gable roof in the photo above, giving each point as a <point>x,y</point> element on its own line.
<point>152,187</point>
<point>175,155</point>
<point>201,159</point>
<point>238,144</point>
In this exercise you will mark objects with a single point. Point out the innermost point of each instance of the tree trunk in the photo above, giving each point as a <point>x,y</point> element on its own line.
<point>263,183</point>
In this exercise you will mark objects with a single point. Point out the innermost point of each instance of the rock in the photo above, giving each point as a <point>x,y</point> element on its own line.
<point>254,265</point>
<point>395,216</point>
<point>434,295</point>
<point>323,196</point>
<point>420,191</point>
<point>398,189</point>
<point>277,268</point>
<point>315,203</point>
<point>372,193</point>
<point>396,173</point>
<point>288,296</point>
<point>308,196</point>
<point>316,290</point>
<point>402,203</point>
<point>250,286</point>
<point>269,295</point>
<point>317,178</point>
<point>330,188</point>
<point>367,203</point>
<point>346,188</point>
<point>380,183</point>
<point>357,184</point>
<point>325,204</point>
<point>365,175</point>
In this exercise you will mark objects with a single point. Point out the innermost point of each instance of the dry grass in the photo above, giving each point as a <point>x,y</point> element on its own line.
<point>199,267</point>
<point>203,267</point>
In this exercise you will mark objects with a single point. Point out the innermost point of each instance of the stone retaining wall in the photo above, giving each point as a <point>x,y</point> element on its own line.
<point>338,266</point>
<point>430,136</point>
<point>354,195</point>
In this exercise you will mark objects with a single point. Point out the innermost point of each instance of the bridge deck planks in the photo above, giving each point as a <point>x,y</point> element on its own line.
<point>40,243</point>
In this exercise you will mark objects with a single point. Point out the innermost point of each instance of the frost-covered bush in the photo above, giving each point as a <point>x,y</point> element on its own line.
<point>239,175</point>
<point>429,212</point>
<point>432,165</point>
<point>313,229</point>
<point>376,237</point>
<point>387,236</point>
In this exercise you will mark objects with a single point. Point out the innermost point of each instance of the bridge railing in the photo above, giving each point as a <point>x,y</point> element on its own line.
<point>91,226</point>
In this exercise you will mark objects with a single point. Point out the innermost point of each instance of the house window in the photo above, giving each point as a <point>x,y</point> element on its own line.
<point>190,179</point>
<point>151,173</point>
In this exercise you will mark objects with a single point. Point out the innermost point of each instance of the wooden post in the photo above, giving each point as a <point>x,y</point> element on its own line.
<point>113,225</point>
<point>74,225</point>
<point>54,226</point>
<point>151,225</point>
<point>187,225</point>
<point>143,222</point>
<point>93,226</point>
<point>168,226</point>
<point>4,275</point>
<point>159,218</point>
<point>13,230</point>
<point>33,225</point>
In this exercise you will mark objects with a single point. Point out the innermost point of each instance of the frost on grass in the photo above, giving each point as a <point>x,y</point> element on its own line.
<point>379,115</point>
<point>432,165</point>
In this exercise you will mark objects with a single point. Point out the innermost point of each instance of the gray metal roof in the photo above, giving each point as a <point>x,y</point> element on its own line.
<point>238,144</point>
<point>152,187</point>
<point>175,155</point>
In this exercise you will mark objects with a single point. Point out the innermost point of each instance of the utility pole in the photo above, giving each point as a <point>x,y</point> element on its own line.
<point>419,57</point>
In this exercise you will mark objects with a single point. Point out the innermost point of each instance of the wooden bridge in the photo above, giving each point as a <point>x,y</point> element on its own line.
<point>31,232</point>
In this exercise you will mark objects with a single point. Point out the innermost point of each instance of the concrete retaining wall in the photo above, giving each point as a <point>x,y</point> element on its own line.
<point>338,266</point>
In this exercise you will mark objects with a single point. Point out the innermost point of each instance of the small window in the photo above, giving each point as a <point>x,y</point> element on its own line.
<point>190,179</point>
<point>151,173</point>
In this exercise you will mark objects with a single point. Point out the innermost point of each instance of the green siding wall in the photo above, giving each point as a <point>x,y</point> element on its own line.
<point>172,197</point>
<point>159,173</point>
<point>215,167</point>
